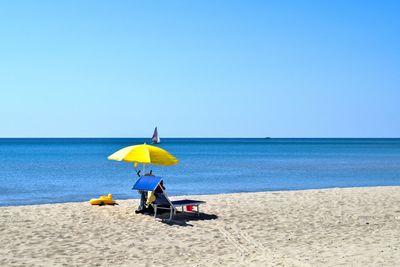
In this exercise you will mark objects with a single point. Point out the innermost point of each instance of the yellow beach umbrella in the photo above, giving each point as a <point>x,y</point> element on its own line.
<point>144,154</point>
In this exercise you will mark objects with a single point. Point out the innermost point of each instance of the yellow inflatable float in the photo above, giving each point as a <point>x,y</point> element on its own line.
<point>103,200</point>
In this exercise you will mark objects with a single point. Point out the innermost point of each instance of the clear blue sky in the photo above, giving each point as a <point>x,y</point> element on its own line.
<point>200,68</point>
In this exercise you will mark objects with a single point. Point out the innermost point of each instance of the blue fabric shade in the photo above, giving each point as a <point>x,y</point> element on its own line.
<point>147,183</point>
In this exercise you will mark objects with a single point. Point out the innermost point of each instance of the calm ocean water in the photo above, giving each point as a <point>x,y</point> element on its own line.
<point>36,171</point>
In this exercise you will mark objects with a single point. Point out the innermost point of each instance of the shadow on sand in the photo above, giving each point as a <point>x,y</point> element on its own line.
<point>183,219</point>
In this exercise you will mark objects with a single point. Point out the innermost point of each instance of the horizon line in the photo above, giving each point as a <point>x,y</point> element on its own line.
<point>267,137</point>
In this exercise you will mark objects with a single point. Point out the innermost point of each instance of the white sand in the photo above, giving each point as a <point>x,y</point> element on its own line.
<point>348,227</point>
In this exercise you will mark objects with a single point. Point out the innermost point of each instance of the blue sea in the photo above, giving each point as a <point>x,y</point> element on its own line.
<point>35,171</point>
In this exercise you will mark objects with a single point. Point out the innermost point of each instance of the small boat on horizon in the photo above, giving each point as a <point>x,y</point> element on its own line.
<point>155,139</point>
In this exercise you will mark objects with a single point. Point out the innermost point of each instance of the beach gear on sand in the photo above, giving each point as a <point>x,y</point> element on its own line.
<point>153,184</point>
<point>103,200</point>
<point>145,154</point>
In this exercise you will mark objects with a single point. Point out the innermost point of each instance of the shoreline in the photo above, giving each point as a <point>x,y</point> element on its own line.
<point>216,194</point>
<point>316,227</point>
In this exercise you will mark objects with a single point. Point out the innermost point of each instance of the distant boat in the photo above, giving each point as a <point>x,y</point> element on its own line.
<point>155,138</point>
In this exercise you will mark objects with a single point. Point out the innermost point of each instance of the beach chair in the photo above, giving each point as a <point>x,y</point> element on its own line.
<point>151,183</point>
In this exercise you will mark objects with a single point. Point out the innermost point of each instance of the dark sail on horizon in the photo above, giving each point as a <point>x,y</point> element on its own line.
<point>155,139</point>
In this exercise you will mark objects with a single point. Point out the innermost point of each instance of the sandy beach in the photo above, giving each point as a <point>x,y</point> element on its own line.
<point>331,227</point>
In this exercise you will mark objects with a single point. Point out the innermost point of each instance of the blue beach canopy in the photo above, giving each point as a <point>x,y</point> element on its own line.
<point>147,183</point>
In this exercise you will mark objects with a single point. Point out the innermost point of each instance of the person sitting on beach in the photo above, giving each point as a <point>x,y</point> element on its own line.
<point>142,204</point>
<point>143,195</point>
<point>146,198</point>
